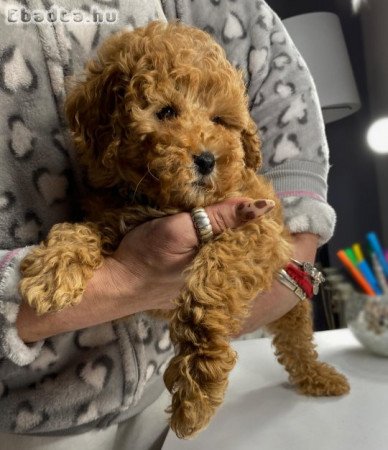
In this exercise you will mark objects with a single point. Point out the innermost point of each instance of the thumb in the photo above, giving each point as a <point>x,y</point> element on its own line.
<point>230,213</point>
<point>235,212</point>
<point>179,230</point>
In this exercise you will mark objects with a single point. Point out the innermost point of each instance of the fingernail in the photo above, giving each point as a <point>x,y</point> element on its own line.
<point>267,204</point>
<point>251,210</point>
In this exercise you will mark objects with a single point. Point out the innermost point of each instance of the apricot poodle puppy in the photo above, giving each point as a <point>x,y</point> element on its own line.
<point>161,125</point>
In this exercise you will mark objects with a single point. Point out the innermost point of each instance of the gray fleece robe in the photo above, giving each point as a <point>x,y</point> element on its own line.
<point>104,374</point>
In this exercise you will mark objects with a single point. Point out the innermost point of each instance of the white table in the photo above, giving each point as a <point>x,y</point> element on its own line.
<point>261,410</point>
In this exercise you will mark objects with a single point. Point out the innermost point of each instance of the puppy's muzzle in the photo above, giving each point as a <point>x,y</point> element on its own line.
<point>204,162</point>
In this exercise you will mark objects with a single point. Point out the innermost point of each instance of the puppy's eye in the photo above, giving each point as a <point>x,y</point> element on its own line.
<point>167,113</point>
<point>219,120</point>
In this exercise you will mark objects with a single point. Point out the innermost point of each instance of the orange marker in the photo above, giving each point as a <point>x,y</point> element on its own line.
<point>355,273</point>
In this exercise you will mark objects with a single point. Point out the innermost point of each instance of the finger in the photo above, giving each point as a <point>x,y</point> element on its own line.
<point>235,212</point>
<point>231,213</point>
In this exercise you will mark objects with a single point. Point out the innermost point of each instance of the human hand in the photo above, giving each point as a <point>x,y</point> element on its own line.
<point>144,273</point>
<point>157,252</point>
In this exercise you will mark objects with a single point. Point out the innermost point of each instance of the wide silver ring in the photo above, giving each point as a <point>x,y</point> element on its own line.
<point>202,225</point>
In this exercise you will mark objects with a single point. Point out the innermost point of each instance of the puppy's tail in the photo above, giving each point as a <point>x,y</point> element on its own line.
<point>197,376</point>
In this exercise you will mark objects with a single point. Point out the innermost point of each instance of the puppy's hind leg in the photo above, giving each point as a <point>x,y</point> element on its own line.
<point>55,273</point>
<point>295,350</point>
<point>206,315</point>
<point>223,280</point>
<point>197,376</point>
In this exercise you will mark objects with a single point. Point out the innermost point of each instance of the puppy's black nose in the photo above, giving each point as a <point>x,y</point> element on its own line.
<point>205,162</point>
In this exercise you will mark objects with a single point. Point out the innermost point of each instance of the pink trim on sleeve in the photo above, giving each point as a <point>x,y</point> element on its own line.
<point>309,194</point>
<point>8,257</point>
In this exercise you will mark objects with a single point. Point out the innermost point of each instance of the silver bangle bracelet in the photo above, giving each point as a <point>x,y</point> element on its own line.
<point>291,284</point>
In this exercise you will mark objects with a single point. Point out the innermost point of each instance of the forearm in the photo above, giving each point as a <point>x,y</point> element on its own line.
<point>270,306</point>
<point>104,300</point>
<point>145,273</point>
<point>305,246</point>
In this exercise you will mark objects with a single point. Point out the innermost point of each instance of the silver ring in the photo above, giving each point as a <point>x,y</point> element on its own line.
<point>202,225</point>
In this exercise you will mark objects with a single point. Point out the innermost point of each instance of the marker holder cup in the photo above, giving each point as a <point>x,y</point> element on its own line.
<point>367,318</point>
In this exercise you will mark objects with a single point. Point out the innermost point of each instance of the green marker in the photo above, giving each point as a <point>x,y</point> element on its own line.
<point>350,254</point>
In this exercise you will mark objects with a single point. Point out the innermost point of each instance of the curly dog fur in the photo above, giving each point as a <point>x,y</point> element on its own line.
<point>152,100</point>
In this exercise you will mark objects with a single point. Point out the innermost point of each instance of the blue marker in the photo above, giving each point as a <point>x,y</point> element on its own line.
<point>364,268</point>
<point>376,248</point>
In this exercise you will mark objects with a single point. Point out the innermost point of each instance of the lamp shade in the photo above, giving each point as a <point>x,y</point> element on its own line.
<point>319,39</point>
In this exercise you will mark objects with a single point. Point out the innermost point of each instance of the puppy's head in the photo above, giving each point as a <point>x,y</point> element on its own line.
<point>163,113</point>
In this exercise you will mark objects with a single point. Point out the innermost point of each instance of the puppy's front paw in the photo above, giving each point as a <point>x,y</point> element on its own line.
<point>323,380</point>
<point>48,283</point>
<point>54,274</point>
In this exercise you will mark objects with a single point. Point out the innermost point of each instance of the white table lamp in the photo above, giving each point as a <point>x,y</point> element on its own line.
<point>319,38</point>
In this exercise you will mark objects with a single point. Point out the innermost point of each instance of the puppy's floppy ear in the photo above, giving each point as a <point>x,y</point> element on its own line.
<point>94,110</point>
<point>252,145</point>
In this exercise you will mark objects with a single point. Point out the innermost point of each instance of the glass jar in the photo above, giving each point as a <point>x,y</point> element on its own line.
<point>367,318</point>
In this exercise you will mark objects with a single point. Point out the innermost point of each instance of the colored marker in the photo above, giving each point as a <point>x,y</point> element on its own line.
<point>386,254</point>
<point>355,273</point>
<point>376,248</point>
<point>364,268</point>
<point>379,272</point>
<point>357,250</point>
<point>350,254</point>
